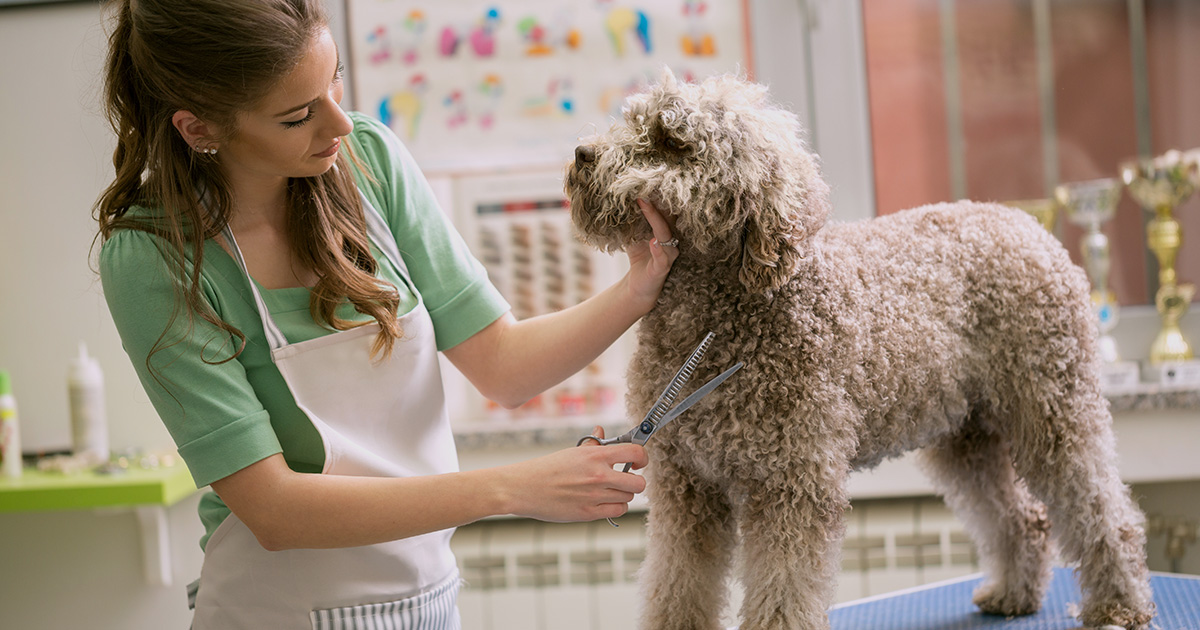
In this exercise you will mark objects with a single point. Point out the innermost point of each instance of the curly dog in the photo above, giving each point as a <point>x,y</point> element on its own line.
<point>960,329</point>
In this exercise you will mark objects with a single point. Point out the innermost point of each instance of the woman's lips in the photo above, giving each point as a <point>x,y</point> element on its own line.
<point>330,151</point>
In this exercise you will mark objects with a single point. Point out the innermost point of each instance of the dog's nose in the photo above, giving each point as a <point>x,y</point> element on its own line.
<point>585,153</point>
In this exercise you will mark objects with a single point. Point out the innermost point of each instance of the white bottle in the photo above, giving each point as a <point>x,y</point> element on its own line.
<point>10,431</point>
<point>89,422</point>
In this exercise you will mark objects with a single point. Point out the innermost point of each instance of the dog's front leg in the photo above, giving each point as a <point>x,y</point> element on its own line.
<point>791,530</point>
<point>691,535</point>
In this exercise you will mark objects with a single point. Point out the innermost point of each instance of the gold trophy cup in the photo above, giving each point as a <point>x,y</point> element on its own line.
<point>1044,210</point>
<point>1160,184</point>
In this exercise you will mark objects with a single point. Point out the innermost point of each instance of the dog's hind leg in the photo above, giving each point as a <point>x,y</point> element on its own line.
<point>973,469</point>
<point>1068,459</point>
<point>691,537</point>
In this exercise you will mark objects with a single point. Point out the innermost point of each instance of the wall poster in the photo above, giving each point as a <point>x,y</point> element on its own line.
<point>474,85</point>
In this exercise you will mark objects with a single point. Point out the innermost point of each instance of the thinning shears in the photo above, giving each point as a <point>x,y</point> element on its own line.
<point>661,413</point>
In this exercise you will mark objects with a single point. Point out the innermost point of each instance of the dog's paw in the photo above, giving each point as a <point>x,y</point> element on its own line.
<point>997,599</point>
<point>1114,615</point>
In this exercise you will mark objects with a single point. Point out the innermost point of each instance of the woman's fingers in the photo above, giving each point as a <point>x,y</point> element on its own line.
<point>662,231</point>
<point>579,484</point>
<point>598,433</point>
<point>627,454</point>
<point>662,249</point>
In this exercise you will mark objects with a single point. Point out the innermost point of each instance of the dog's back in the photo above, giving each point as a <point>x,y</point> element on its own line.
<point>961,302</point>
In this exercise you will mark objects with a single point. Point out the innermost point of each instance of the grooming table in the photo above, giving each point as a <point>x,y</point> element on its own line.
<point>947,606</point>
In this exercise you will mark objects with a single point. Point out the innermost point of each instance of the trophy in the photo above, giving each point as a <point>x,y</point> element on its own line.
<point>1044,210</point>
<point>1090,204</point>
<point>1160,184</point>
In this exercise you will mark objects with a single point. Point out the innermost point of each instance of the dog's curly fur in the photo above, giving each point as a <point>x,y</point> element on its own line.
<point>960,329</point>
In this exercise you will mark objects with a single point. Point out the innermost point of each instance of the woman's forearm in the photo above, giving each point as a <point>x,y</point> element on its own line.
<point>543,351</point>
<point>514,361</point>
<point>289,510</point>
<point>511,362</point>
<point>333,511</point>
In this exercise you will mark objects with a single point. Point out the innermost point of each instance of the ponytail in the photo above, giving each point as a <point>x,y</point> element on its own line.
<point>122,108</point>
<point>217,59</point>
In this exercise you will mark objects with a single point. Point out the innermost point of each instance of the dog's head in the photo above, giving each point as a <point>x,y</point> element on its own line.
<point>719,160</point>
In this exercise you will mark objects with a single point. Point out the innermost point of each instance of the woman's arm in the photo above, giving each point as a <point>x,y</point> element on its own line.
<point>289,510</point>
<point>512,361</point>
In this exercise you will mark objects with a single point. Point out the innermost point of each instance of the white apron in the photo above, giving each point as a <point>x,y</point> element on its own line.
<point>385,419</point>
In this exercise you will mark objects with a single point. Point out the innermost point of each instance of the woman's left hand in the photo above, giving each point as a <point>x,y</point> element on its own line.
<point>650,262</point>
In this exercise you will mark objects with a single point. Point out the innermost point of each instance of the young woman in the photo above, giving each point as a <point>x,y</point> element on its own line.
<point>282,280</point>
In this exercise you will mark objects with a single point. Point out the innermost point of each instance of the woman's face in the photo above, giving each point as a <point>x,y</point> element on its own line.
<point>297,128</point>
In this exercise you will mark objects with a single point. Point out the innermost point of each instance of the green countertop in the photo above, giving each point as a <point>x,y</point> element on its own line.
<point>133,487</point>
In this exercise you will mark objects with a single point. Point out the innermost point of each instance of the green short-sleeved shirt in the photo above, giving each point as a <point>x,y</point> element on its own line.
<point>224,417</point>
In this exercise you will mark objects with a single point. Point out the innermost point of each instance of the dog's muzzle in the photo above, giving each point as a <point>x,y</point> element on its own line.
<point>584,154</point>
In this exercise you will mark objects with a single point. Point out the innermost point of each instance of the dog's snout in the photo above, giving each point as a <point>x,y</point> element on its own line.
<point>584,154</point>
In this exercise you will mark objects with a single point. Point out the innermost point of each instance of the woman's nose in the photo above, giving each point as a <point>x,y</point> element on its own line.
<point>585,153</point>
<point>341,122</point>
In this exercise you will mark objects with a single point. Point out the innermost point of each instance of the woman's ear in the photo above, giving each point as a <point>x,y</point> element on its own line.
<point>195,132</point>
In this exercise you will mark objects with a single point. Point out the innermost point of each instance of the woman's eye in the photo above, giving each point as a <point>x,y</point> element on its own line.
<point>292,124</point>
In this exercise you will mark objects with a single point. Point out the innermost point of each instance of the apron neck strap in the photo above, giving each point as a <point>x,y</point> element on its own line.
<point>381,235</point>
<point>275,337</point>
<point>377,230</point>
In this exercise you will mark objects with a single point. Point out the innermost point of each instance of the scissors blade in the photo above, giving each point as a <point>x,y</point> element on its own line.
<point>667,397</point>
<point>641,436</point>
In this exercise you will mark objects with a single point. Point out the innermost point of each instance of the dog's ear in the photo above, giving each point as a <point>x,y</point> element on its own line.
<point>668,82</point>
<point>770,248</point>
<point>781,219</point>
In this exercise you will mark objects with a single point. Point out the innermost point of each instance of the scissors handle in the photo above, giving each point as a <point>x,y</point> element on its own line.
<point>600,441</point>
<point>661,413</point>
<point>626,437</point>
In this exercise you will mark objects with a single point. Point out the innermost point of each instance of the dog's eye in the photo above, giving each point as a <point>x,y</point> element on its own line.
<point>675,144</point>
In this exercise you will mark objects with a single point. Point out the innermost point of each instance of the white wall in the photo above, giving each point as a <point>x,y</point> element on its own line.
<point>810,53</point>
<point>68,569</point>
<point>55,161</point>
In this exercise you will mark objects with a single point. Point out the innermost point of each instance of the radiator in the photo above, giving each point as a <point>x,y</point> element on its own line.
<point>529,575</point>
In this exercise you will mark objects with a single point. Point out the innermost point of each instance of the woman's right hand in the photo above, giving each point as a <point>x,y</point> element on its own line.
<point>575,484</point>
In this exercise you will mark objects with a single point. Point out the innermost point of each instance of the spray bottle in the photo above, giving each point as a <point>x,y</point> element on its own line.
<point>10,433</point>
<point>89,421</point>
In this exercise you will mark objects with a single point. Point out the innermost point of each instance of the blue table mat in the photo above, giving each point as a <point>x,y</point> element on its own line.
<point>947,606</point>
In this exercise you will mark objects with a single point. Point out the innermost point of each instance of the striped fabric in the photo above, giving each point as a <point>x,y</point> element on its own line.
<point>433,610</point>
<point>192,590</point>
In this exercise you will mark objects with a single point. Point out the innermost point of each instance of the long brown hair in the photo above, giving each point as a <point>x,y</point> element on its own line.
<point>216,58</point>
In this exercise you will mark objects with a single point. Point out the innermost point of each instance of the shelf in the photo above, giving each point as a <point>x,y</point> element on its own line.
<point>39,491</point>
<point>1157,428</point>
<point>146,492</point>
<point>557,432</point>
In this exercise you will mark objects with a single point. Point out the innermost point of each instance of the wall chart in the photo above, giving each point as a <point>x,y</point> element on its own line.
<point>473,85</point>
